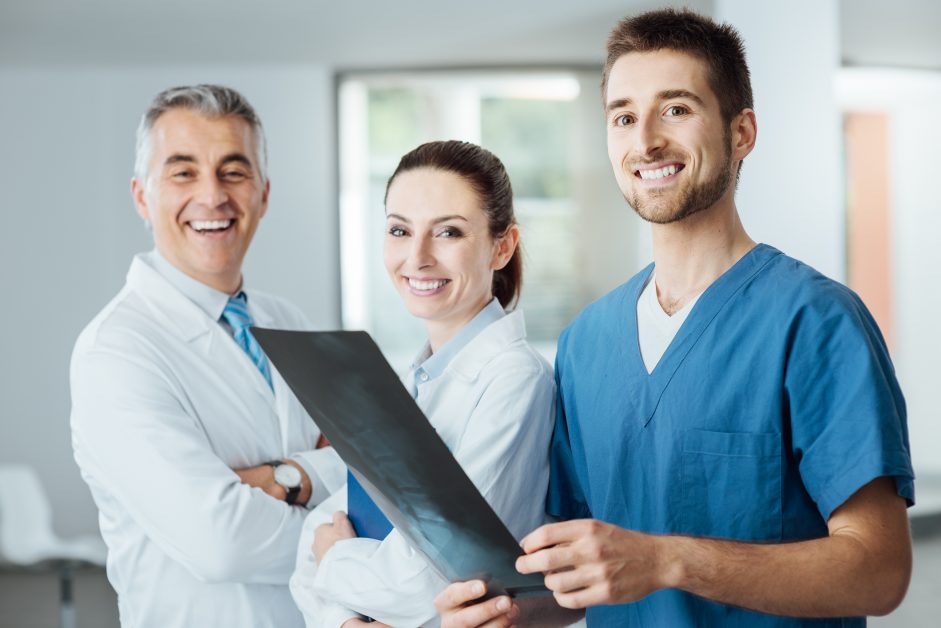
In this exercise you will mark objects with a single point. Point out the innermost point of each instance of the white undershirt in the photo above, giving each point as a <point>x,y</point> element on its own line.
<point>656,328</point>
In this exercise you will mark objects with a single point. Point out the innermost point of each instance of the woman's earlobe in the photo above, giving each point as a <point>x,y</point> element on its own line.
<point>505,247</point>
<point>500,259</point>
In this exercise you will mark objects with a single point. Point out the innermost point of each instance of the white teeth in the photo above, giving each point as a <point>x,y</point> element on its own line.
<point>426,285</point>
<point>658,173</point>
<point>204,225</point>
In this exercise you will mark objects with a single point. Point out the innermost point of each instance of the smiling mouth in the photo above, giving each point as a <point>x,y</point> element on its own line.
<point>652,174</point>
<point>426,285</point>
<point>211,226</point>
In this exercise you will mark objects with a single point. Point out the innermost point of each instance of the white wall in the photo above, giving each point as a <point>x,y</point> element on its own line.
<point>69,229</point>
<point>909,98</point>
<point>791,193</point>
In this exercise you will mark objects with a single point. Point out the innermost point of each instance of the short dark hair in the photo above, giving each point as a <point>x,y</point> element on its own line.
<point>719,46</point>
<point>486,175</point>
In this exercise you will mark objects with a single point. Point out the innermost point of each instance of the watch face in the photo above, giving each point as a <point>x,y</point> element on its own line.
<point>287,476</point>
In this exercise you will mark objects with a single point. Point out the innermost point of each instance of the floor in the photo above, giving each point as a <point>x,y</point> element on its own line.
<point>30,600</point>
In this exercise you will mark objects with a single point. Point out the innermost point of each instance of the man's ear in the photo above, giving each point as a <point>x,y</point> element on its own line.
<point>264,198</point>
<point>744,129</point>
<point>140,199</point>
<point>505,247</point>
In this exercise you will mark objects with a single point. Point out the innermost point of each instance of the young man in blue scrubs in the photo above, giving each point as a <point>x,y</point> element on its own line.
<point>731,445</point>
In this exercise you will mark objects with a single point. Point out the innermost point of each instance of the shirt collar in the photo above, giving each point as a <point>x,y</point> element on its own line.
<point>433,364</point>
<point>209,300</point>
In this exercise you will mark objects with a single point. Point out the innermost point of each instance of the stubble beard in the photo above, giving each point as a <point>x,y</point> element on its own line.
<point>688,201</point>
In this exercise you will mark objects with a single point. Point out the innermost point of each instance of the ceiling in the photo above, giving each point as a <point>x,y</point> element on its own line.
<point>376,33</point>
<point>357,33</point>
<point>903,33</point>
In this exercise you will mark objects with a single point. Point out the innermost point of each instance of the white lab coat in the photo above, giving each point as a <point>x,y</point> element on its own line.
<point>493,406</point>
<point>164,405</point>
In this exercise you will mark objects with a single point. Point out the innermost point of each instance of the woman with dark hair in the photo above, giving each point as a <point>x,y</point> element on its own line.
<point>452,251</point>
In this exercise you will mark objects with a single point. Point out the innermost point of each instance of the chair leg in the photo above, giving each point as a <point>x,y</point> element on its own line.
<point>66,602</point>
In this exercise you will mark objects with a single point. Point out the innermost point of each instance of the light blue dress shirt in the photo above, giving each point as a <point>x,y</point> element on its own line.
<point>427,366</point>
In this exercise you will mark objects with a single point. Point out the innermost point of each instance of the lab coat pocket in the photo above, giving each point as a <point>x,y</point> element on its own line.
<point>732,485</point>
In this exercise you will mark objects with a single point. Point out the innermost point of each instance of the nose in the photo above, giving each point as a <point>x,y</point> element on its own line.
<point>421,254</point>
<point>211,193</point>
<point>650,138</point>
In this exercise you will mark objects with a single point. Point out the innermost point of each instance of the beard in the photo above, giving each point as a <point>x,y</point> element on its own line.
<point>665,206</point>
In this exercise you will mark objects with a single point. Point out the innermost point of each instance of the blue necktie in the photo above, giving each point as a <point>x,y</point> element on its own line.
<point>237,316</point>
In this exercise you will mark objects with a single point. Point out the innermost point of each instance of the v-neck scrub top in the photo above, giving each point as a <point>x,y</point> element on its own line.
<point>774,403</point>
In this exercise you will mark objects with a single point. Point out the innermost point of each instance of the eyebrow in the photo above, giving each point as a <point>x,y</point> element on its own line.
<point>436,221</point>
<point>681,93</point>
<point>666,94</point>
<point>617,104</point>
<point>189,159</point>
<point>237,158</point>
<point>178,158</point>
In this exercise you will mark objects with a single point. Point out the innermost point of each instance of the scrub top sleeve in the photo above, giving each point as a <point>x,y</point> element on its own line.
<point>847,413</point>
<point>565,498</point>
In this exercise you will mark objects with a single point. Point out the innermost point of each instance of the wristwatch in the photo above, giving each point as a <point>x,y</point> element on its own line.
<point>288,477</point>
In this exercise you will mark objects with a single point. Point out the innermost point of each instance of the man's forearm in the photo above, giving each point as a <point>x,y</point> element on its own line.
<point>862,567</point>
<point>844,574</point>
<point>262,476</point>
<point>826,577</point>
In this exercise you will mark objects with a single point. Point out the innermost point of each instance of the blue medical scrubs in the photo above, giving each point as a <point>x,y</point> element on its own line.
<point>774,403</point>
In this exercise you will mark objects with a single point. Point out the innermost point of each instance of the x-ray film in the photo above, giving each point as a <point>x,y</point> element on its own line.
<point>357,400</point>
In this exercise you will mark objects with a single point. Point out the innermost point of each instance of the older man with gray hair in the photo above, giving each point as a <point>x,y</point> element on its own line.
<point>199,457</point>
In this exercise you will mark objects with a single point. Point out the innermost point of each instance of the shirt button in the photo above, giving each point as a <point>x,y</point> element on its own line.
<point>423,377</point>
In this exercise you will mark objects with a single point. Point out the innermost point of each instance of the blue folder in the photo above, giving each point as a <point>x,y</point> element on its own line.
<point>364,514</point>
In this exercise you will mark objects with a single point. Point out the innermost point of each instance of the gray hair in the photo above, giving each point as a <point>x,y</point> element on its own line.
<point>213,101</point>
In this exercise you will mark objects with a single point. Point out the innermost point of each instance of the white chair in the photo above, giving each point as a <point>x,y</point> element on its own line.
<point>27,539</point>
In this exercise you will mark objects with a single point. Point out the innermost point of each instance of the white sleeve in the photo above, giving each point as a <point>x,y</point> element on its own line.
<point>386,580</point>
<point>318,612</point>
<point>134,440</point>
<point>505,453</point>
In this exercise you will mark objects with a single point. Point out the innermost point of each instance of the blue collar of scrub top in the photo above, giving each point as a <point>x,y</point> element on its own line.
<point>429,365</point>
<point>710,303</point>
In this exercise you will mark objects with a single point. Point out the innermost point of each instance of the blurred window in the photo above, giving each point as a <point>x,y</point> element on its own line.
<point>528,119</point>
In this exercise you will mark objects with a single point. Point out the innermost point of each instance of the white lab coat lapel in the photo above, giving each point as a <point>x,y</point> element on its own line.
<point>192,324</point>
<point>282,398</point>
<point>466,366</point>
<point>221,347</point>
